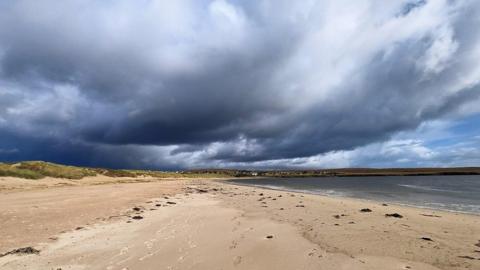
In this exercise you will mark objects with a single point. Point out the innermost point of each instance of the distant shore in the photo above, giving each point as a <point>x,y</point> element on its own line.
<point>41,169</point>
<point>343,172</point>
<point>452,193</point>
<point>109,223</point>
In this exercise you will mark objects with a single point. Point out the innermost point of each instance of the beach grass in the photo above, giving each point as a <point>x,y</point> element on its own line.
<point>40,169</point>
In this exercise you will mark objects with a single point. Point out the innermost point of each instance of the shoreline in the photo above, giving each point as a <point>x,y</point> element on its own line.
<point>330,221</point>
<point>353,198</point>
<point>182,223</point>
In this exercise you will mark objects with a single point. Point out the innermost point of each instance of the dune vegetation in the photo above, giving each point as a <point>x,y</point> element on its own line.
<point>41,169</point>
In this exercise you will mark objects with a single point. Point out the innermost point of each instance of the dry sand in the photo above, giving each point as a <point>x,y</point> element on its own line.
<point>202,224</point>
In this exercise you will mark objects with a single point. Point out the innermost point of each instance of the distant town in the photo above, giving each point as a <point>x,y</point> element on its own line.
<point>341,172</point>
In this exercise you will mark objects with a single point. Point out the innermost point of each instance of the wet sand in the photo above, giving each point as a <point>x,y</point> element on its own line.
<point>203,224</point>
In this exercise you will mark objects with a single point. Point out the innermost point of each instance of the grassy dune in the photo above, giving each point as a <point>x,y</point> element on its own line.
<point>41,169</point>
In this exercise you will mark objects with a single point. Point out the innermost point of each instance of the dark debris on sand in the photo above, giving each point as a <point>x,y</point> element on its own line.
<point>426,239</point>
<point>395,215</point>
<point>137,217</point>
<point>468,257</point>
<point>21,251</point>
<point>365,210</point>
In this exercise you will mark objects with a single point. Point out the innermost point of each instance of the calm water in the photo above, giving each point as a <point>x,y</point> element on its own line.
<point>455,193</point>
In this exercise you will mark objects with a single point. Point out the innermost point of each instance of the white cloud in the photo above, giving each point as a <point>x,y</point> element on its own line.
<point>330,83</point>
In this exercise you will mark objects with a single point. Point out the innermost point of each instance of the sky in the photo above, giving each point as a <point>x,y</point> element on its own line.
<point>264,84</point>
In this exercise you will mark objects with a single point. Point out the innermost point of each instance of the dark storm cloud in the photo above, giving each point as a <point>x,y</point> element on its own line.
<point>194,83</point>
<point>391,94</point>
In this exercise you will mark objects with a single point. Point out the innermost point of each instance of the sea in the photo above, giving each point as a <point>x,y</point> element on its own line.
<point>457,193</point>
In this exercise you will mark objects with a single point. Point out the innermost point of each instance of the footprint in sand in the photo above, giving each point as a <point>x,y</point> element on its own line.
<point>234,244</point>
<point>191,244</point>
<point>123,251</point>
<point>149,244</point>
<point>237,260</point>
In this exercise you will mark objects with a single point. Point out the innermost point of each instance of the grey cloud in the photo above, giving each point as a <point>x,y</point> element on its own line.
<point>228,81</point>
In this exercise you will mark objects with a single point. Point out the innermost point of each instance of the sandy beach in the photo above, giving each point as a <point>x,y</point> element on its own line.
<point>108,223</point>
